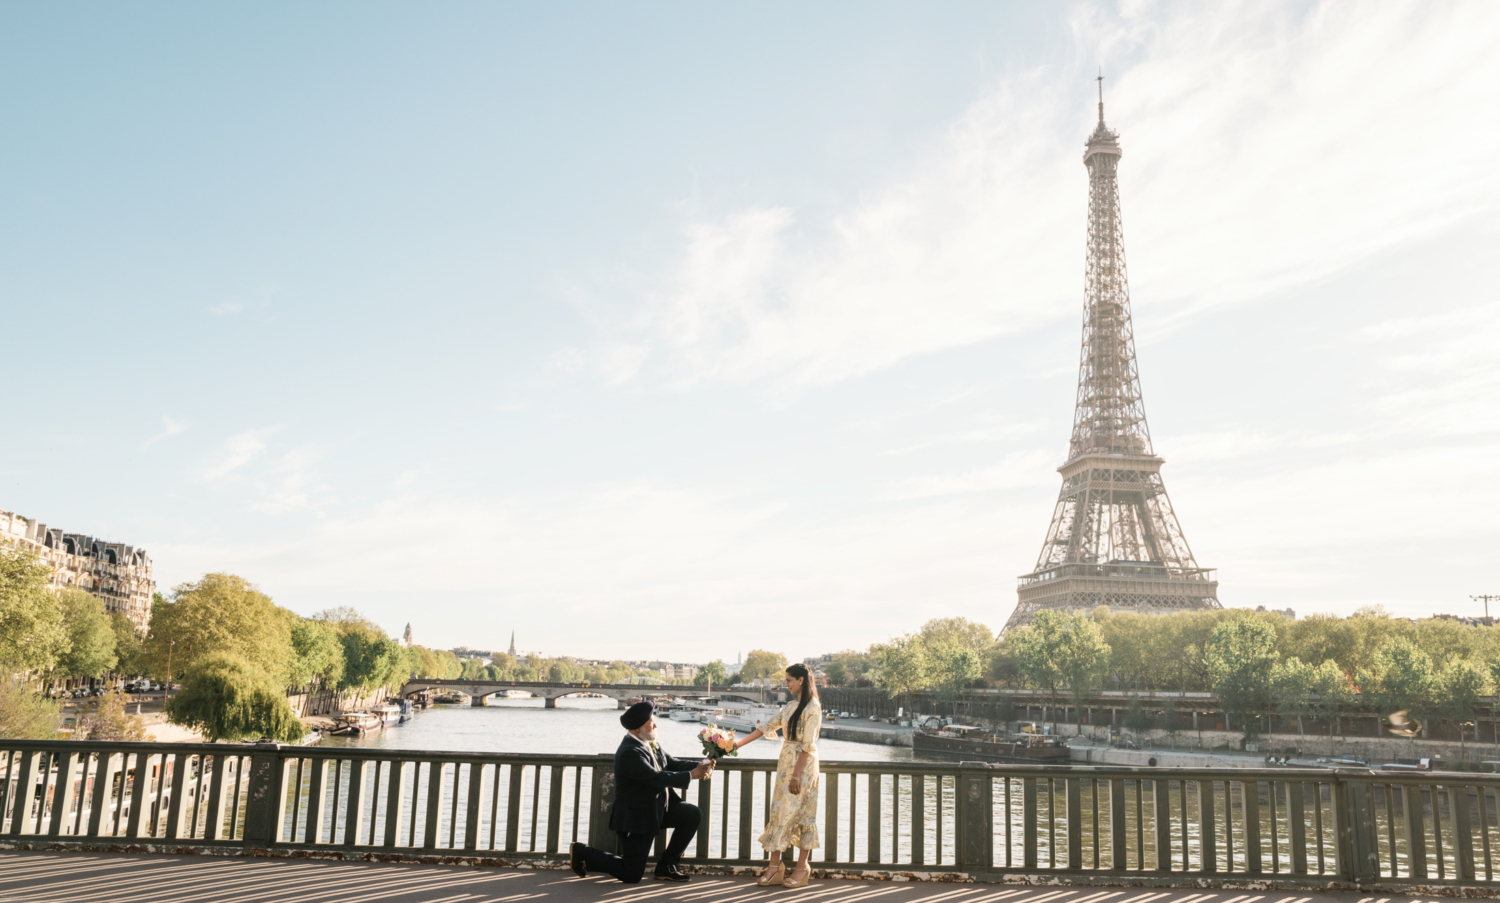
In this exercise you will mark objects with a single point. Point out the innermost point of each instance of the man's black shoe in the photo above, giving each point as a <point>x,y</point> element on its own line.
<point>670,873</point>
<point>575,860</point>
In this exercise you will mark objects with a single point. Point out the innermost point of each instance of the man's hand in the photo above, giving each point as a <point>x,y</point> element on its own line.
<point>702,770</point>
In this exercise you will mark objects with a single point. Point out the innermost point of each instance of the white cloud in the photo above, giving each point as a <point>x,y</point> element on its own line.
<point>170,428</point>
<point>226,308</point>
<point>239,451</point>
<point>1265,147</point>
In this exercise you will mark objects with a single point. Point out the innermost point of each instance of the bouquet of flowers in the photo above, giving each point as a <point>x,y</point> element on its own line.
<point>717,742</point>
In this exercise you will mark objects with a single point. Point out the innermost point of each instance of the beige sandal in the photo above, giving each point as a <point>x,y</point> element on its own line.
<point>772,877</point>
<point>793,882</point>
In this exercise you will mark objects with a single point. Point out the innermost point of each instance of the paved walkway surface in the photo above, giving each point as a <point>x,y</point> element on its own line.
<point>111,877</point>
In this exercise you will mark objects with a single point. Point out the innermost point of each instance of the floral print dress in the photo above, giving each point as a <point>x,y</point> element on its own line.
<point>794,817</point>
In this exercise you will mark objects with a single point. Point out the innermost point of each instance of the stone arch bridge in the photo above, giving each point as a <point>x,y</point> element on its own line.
<point>480,690</point>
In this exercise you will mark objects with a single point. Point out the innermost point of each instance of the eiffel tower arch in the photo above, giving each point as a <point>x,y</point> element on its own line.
<point>1114,538</point>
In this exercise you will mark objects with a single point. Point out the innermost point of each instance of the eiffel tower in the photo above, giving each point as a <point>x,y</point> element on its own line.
<point>1114,539</point>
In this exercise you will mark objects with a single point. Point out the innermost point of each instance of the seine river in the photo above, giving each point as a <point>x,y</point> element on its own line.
<point>578,726</point>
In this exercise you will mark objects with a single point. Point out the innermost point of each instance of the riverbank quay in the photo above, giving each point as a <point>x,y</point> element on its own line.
<point>877,732</point>
<point>144,878</point>
<point>1302,830</point>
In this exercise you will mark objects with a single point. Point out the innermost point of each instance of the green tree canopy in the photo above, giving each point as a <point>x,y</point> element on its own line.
<point>1241,655</point>
<point>959,632</point>
<point>224,697</point>
<point>1292,684</point>
<point>127,645</point>
<point>32,632</point>
<point>901,664</point>
<point>1402,679</point>
<point>220,613</point>
<point>838,673</point>
<point>25,714</point>
<point>712,674</point>
<point>90,650</point>
<point>1061,650</point>
<point>317,654</point>
<point>760,663</point>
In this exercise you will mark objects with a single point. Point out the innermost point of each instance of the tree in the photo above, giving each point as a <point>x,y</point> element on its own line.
<point>1292,685</point>
<point>1061,649</point>
<point>224,697</point>
<point>127,644</point>
<point>26,714</point>
<point>1403,679</point>
<point>903,664</point>
<point>32,633</point>
<point>1460,684</point>
<point>941,632</point>
<point>104,718</point>
<point>712,674</point>
<point>952,666</point>
<point>760,663</point>
<point>837,673</point>
<point>1335,694</point>
<point>220,613</point>
<point>371,660</point>
<point>1240,656</point>
<point>91,638</point>
<point>317,654</point>
<point>857,665</point>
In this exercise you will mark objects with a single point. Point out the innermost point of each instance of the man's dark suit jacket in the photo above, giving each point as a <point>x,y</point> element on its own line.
<point>644,781</point>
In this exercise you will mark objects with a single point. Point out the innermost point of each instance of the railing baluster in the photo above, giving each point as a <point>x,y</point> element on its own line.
<point>1296,816</point>
<point>873,829</point>
<point>435,771</point>
<point>21,814</point>
<point>62,797</point>
<point>1484,833</point>
<point>830,817</point>
<point>1434,792</point>
<point>139,784</point>
<point>313,834</point>
<point>1250,794</point>
<point>104,777</point>
<point>918,818</point>
<point>554,808</point>
<point>1463,838</point>
<point>1161,810</point>
<point>747,804</point>
<point>395,789</point>
<point>1075,823</point>
<point>578,797</point>
<point>513,809</point>
<point>471,820</point>
<point>536,805</point>
<point>1028,823</point>
<point>178,801</point>
<point>1207,835</point>
<point>1119,856</point>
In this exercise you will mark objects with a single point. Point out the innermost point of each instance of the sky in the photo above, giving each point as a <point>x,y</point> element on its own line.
<point>671,330</point>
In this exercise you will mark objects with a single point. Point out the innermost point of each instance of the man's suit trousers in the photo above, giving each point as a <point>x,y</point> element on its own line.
<point>630,865</point>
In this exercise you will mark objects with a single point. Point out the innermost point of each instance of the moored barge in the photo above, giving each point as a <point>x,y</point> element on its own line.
<point>958,741</point>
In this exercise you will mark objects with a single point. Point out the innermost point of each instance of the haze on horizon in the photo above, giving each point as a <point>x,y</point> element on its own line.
<point>672,331</point>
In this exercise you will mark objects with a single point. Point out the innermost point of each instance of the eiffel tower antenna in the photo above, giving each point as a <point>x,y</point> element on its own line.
<point>1114,539</point>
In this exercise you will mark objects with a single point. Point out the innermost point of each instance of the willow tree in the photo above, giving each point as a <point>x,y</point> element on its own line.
<point>225,697</point>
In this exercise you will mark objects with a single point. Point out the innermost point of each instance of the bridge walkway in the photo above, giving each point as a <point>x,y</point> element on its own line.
<point>82,877</point>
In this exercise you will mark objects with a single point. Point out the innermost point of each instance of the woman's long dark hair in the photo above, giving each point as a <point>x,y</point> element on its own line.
<point>809,693</point>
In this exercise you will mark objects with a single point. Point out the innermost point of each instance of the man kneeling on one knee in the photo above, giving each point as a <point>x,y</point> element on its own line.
<point>646,802</point>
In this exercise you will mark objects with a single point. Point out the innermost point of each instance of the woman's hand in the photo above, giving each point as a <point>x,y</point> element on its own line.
<point>794,785</point>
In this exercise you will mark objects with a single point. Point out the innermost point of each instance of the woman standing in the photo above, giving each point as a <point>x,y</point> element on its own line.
<point>794,800</point>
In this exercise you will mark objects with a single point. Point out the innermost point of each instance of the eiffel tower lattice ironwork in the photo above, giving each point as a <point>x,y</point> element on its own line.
<point>1114,539</point>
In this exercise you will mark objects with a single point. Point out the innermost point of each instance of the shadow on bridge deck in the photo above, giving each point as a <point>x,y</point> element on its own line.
<point>145,878</point>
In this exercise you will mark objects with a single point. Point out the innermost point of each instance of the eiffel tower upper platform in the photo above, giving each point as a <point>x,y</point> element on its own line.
<point>1114,539</point>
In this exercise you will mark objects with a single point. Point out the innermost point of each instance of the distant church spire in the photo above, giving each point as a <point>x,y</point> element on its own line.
<point>406,637</point>
<point>512,644</point>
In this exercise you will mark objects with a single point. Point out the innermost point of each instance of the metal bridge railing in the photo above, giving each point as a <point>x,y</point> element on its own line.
<point>1095,824</point>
